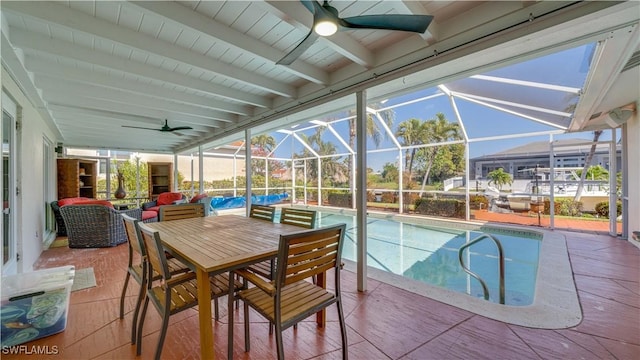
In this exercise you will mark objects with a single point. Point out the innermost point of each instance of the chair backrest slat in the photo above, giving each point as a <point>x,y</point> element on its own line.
<point>133,235</point>
<point>155,252</point>
<point>181,211</point>
<point>293,278</point>
<point>262,212</point>
<point>309,253</point>
<point>298,217</point>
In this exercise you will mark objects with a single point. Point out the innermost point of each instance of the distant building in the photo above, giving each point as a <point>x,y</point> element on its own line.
<point>567,153</point>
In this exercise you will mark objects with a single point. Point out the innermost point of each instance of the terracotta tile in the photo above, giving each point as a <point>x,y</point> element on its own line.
<point>589,342</point>
<point>621,349</point>
<point>362,350</point>
<point>398,321</point>
<point>475,338</point>
<point>383,323</point>
<point>586,266</point>
<point>609,319</point>
<point>608,289</point>
<point>551,344</point>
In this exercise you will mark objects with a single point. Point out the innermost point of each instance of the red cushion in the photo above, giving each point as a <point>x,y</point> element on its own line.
<point>155,209</point>
<point>95,202</point>
<point>168,198</point>
<point>148,215</point>
<point>67,201</point>
<point>198,197</point>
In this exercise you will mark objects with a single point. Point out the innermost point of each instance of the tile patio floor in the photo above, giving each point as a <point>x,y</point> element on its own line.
<point>385,322</point>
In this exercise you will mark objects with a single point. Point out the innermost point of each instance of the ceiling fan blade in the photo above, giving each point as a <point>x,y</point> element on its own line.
<point>138,127</point>
<point>309,4</point>
<point>298,50</point>
<point>181,128</point>
<point>412,23</point>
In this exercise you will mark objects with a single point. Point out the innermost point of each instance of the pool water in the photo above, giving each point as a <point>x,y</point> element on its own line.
<point>430,255</point>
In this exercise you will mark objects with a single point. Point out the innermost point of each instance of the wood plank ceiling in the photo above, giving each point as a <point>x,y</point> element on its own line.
<point>93,66</point>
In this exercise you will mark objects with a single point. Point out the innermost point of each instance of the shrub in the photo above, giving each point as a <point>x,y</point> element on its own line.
<point>602,209</point>
<point>389,197</point>
<point>565,207</point>
<point>440,207</point>
<point>339,199</point>
<point>476,200</point>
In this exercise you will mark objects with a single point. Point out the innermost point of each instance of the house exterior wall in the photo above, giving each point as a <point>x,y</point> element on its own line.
<point>633,171</point>
<point>30,210</point>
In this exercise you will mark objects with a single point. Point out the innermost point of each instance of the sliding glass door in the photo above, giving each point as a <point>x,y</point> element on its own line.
<point>7,132</point>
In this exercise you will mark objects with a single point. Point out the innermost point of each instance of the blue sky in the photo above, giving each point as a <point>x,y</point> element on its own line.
<point>567,68</point>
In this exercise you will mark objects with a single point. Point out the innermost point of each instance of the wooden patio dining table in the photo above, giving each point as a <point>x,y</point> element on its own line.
<point>217,244</point>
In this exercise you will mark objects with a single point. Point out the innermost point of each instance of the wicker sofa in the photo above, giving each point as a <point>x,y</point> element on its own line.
<point>95,225</point>
<point>166,198</point>
<point>61,229</point>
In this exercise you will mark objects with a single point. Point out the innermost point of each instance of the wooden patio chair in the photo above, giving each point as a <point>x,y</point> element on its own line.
<point>174,293</point>
<point>262,212</point>
<point>291,216</point>
<point>298,217</point>
<point>289,298</point>
<point>137,268</point>
<point>181,211</point>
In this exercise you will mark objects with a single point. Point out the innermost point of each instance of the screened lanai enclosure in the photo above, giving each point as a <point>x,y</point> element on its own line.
<point>499,141</point>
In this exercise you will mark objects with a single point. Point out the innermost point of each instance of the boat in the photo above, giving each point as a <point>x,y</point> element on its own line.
<point>565,185</point>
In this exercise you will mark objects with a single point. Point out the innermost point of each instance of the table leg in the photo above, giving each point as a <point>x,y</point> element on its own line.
<point>204,314</point>
<point>321,316</point>
<point>230,299</point>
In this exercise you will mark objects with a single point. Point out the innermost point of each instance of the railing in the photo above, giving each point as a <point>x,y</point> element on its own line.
<point>485,289</point>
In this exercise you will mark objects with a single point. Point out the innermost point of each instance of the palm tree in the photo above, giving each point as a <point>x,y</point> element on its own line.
<point>373,128</point>
<point>332,170</point>
<point>587,162</point>
<point>499,178</point>
<point>411,132</point>
<point>264,142</point>
<point>438,130</point>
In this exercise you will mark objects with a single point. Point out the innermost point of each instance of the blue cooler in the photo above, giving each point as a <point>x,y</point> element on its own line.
<point>35,304</point>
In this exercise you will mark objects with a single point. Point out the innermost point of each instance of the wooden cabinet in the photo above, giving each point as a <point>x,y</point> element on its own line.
<point>160,178</point>
<point>77,178</point>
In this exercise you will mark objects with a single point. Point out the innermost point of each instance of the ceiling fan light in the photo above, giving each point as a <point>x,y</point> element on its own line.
<point>325,27</point>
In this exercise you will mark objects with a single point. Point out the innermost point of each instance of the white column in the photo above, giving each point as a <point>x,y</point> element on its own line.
<point>400,182</point>
<point>361,190</point>
<point>613,197</point>
<point>192,176</point>
<point>175,172</point>
<point>632,169</point>
<point>552,170</point>
<point>201,169</point>
<point>247,166</point>
<point>467,210</point>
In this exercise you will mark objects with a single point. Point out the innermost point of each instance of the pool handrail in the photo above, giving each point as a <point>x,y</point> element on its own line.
<point>485,289</point>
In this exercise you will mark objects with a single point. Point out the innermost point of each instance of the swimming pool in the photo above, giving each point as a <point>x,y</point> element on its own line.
<point>429,254</point>
<point>399,255</point>
<point>554,303</point>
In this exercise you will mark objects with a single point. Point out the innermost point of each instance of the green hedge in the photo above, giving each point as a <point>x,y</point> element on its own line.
<point>339,199</point>
<point>440,207</point>
<point>602,209</point>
